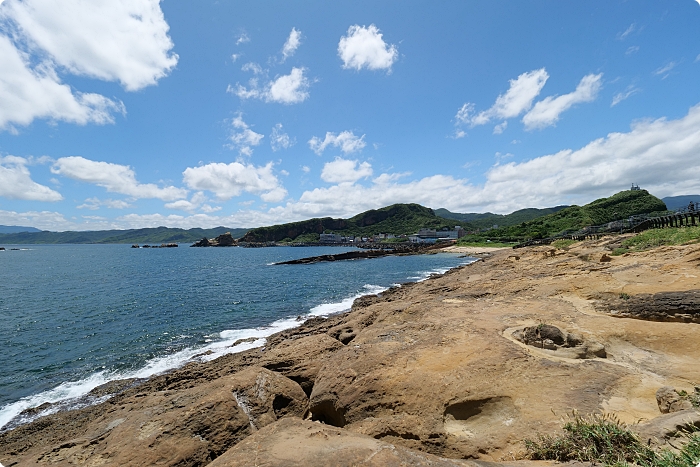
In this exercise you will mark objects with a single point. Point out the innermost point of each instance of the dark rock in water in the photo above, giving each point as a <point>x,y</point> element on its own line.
<point>135,246</point>
<point>146,246</point>
<point>2,248</point>
<point>36,410</point>
<point>225,239</point>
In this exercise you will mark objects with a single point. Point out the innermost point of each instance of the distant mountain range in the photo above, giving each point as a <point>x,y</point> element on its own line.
<point>153,235</point>
<point>396,219</point>
<point>16,229</point>
<point>677,202</point>
<point>488,220</point>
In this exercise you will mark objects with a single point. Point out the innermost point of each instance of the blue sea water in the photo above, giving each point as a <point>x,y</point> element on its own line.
<point>73,317</point>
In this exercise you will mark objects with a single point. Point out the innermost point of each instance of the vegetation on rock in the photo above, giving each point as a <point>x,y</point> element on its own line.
<point>604,439</point>
<point>398,219</point>
<point>619,206</point>
<point>658,237</point>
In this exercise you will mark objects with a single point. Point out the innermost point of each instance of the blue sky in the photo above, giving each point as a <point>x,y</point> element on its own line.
<point>139,113</point>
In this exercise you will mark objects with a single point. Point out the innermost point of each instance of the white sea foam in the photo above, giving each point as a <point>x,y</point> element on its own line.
<point>69,394</point>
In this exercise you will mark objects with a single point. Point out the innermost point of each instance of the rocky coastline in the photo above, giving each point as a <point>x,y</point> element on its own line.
<point>455,370</point>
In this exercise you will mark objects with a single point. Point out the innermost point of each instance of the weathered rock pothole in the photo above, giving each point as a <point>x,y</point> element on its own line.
<point>565,344</point>
<point>471,418</point>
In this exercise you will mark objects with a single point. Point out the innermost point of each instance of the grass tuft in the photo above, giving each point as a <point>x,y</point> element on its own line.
<point>658,237</point>
<point>604,439</point>
<point>563,244</point>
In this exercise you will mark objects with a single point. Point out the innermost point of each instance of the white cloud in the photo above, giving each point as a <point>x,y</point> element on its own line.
<point>623,35</point>
<point>697,59</point>
<point>43,220</point>
<point>547,111</point>
<point>290,46</point>
<point>253,67</point>
<point>621,96</point>
<point>460,134</point>
<point>289,89</point>
<point>26,94</point>
<point>286,89</point>
<point>632,49</point>
<point>16,182</point>
<point>518,99</point>
<point>659,155</point>
<point>95,203</point>
<point>242,137</point>
<point>114,178</point>
<point>306,169</point>
<point>125,41</point>
<point>229,180</point>
<point>363,47</point>
<point>665,70</point>
<point>279,139</point>
<point>345,171</point>
<point>242,39</point>
<point>500,128</point>
<point>198,201</point>
<point>235,57</point>
<point>345,140</point>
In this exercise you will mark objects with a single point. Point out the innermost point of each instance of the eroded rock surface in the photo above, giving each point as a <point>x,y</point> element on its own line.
<point>432,368</point>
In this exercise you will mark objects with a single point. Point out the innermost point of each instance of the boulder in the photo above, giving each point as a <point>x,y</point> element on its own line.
<point>669,400</point>
<point>265,396</point>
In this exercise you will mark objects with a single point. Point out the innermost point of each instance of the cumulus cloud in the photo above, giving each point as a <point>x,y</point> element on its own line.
<point>345,140</point>
<point>114,178</point>
<point>660,155</point>
<point>279,139</point>
<point>242,39</point>
<point>16,182</point>
<point>621,96</point>
<point>96,203</point>
<point>547,111</point>
<point>229,180</point>
<point>363,47</point>
<point>345,171</point>
<point>500,128</point>
<point>252,67</point>
<point>27,94</point>
<point>125,41</point>
<point>197,202</point>
<point>522,92</point>
<point>242,137</point>
<point>292,44</point>
<point>286,89</point>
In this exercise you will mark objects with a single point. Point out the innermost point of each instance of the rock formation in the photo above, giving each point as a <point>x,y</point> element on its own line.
<point>461,366</point>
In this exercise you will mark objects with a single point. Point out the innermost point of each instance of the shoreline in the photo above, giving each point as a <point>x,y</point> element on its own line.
<point>366,371</point>
<point>95,383</point>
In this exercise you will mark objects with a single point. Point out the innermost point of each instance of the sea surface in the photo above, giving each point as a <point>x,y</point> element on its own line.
<point>73,317</point>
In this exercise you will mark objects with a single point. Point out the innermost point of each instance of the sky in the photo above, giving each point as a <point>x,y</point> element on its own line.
<point>118,114</point>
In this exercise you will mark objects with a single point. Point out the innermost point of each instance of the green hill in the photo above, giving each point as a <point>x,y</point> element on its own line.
<point>619,206</point>
<point>397,219</point>
<point>487,220</point>
<point>152,235</point>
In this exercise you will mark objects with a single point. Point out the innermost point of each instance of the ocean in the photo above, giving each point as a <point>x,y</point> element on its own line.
<point>74,317</point>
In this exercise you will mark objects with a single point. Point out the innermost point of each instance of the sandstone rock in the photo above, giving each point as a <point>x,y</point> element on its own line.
<point>293,442</point>
<point>300,359</point>
<point>659,430</point>
<point>670,401</point>
<point>265,396</point>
